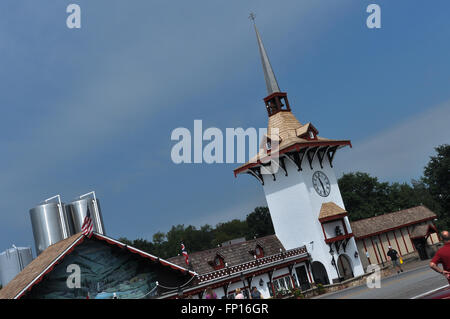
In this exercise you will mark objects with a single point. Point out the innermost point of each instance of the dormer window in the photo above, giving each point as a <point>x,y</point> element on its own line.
<point>311,135</point>
<point>259,252</point>
<point>268,144</point>
<point>217,263</point>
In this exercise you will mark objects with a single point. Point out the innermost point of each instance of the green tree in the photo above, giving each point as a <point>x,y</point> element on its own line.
<point>364,196</point>
<point>228,231</point>
<point>437,179</point>
<point>259,223</point>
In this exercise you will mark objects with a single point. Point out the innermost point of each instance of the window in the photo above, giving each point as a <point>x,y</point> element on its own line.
<point>218,263</point>
<point>311,134</point>
<point>282,285</point>
<point>259,252</point>
<point>268,144</point>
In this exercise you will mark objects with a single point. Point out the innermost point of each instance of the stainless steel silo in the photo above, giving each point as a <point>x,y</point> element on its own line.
<point>77,211</point>
<point>49,224</point>
<point>13,261</point>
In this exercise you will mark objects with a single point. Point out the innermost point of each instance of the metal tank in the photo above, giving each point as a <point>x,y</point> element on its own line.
<point>49,223</point>
<point>13,261</point>
<point>77,211</point>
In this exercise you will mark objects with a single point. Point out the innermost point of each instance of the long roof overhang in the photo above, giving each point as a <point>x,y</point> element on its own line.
<point>295,147</point>
<point>109,240</point>
<point>287,258</point>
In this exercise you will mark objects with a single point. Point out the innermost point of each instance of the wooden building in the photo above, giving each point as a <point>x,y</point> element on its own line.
<point>410,231</point>
<point>105,267</point>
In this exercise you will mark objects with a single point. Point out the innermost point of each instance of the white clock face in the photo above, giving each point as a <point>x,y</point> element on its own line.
<point>321,184</point>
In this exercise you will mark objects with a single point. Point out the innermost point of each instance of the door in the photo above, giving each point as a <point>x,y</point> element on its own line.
<point>302,277</point>
<point>345,267</point>
<point>421,246</point>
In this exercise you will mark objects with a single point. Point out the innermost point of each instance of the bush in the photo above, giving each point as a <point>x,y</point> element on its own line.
<point>320,289</point>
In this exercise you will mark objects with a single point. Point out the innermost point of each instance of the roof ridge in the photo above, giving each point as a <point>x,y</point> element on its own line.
<point>398,211</point>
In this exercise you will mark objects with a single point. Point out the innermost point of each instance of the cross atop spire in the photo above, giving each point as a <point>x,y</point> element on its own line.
<point>269,75</point>
<point>252,17</point>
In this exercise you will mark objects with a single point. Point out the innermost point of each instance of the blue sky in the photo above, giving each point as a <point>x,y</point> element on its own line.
<point>94,108</point>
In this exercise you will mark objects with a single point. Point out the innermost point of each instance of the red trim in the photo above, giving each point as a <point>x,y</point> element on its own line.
<point>398,246</point>
<point>365,248</point>
<point>381,243</point>
<point>387,237</point>
<point>332,240</point>
<point>143,254</point>
<point>396,227</point>
<point>406,246</point>
<point>280,276</point>
<point>53,264</point>
<point>309,275</point>
<point>221,263</point>
<point>374,249</point>
<point>428,232</point>
<point>271,96</point>
<point>297,147</point>
<point>333,218</point>
<point>223,280</point>
<point>345,226</point>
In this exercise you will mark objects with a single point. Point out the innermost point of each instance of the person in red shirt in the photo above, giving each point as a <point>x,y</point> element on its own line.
<point>442,257</point>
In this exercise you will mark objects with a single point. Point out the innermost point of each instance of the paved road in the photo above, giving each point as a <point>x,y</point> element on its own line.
<point>405,285</point>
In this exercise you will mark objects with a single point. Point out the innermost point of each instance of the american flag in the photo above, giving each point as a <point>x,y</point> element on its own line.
<point>88,225</point>
<point>185,254</point>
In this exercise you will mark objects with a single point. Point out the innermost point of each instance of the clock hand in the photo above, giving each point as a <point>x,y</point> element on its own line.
<point>322,186</point>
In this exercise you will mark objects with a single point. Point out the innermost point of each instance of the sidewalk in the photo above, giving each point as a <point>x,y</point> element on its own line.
<point>409,265</point>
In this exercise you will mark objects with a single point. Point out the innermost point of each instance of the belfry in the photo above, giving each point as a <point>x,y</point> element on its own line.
<point>301,188</point>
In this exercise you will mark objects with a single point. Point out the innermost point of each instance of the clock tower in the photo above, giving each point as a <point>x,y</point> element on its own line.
<point>301,187</point>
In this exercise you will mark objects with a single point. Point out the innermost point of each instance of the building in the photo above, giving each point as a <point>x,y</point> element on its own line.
<point>410,231</point>
<point>263,263</point>
<point>99,267</point>
<point>295,168</point>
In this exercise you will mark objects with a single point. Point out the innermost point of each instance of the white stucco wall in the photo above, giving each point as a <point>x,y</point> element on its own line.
<point>295,206</point>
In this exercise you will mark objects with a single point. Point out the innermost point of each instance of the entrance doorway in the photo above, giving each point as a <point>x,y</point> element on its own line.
<point>345,267</point>
<point>421,246</point>
<point>319,273</point>
<point>302,277</point>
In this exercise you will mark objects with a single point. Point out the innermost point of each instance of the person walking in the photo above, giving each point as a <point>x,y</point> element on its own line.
<point>394,255</point>
<point>442,257</point>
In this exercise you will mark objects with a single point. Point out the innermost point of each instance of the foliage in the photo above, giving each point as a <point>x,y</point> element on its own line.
<point>437,180</point>
<point>320,289</point>
<point>257,224</point>
<point>297,293</point>
<point>364,196</point>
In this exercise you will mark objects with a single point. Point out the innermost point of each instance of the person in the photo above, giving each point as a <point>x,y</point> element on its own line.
<point>442,257</point>
<point>255,294</point>
<point>210,294</point>
<point>239,294</point>
<point>394,255</point>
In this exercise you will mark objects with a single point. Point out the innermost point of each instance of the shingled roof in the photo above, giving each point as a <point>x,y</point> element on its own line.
<point>290,135</point>
<point>38,267</point>
<point>387,222</point>
<point>233,254</point>
<point>46,261</point>
<point>329,210</point>
<point>422,231</point>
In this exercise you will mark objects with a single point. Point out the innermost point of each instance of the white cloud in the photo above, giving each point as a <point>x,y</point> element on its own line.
<point>400,152</point>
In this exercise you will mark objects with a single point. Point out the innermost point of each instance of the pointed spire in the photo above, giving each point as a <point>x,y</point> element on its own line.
<point>269,76</point>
